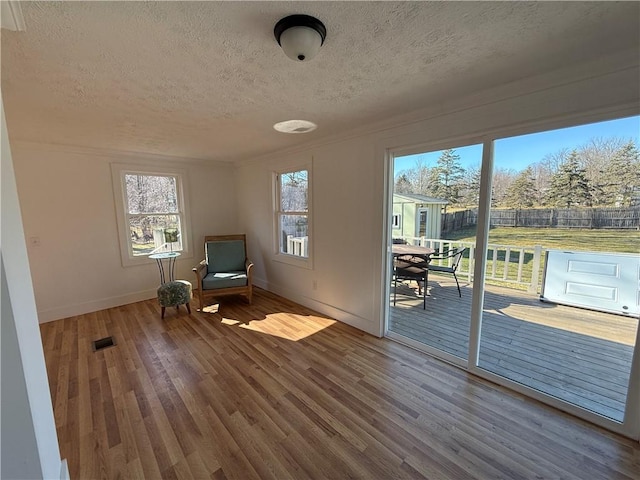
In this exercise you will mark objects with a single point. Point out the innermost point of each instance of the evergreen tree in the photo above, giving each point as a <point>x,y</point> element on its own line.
<point>621,177</point>
<point>522,192</point>
<point>446,177</point>
<point>403,184</point>
<point>569,185</point>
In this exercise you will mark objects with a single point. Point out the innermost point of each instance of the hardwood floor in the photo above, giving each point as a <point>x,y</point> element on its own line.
<point>276,391</point>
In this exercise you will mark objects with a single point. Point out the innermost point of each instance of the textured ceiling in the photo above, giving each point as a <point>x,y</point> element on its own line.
<point>207,80</point>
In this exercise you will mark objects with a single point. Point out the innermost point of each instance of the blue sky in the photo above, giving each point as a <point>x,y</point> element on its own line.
<point>518,152</point>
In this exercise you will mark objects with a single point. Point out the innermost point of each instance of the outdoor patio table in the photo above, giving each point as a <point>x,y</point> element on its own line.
<point>410,258</point>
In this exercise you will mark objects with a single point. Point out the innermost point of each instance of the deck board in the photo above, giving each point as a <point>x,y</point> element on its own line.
<point>574,354</point>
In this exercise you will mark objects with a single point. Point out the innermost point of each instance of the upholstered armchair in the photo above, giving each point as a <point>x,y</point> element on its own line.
<point>226,270</point>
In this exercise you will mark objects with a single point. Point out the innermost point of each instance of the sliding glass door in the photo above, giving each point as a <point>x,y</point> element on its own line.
<point>561,298</point>
<point>546,295</point>
<point>435,201</point>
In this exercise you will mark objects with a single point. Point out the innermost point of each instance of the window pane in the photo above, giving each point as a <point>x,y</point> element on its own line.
<point>435,199</point>
<point>294,237</point>
<point>294,191</point>
<point>151,194</point>
<point>154,233</point>
<point>565,230</point>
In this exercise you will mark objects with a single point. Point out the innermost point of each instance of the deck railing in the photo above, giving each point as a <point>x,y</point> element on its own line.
<point>298,246</point>
<point>506,264</point>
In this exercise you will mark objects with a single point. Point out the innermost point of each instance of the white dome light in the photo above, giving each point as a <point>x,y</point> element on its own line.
<point>300,36</point>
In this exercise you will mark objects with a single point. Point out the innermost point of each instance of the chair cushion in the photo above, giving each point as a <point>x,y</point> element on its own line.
<point>225,256</point>
<point>218,280</point>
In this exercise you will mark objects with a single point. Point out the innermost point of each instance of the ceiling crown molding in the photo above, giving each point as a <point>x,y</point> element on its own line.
<point>11,16</point>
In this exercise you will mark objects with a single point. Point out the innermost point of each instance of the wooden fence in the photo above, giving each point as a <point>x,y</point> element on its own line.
<point>596,218</point>
<point>459,220</point>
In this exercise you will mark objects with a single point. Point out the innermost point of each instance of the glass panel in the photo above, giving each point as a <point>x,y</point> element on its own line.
<point>294,237</point>
<point>564,229</point>
<point>151,194</point>
<point>435,199</point>
<point>294,191</point>
<point>155,234</point>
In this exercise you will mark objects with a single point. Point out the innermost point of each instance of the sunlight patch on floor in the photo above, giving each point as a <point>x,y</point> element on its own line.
<point>211,308</point>
<point>294,327</point>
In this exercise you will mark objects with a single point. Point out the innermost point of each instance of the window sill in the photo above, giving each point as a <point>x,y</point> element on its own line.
<point>293,260</point>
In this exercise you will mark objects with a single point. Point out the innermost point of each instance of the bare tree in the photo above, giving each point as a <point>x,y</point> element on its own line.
<point>502,180</point>
<point>414,179</point>
<point>470,192</point>
<point>596,155</point>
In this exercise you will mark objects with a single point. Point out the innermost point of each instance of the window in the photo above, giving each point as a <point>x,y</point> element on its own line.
<point>395,222</point>
<point>151,212</point>
<point>293,213</point>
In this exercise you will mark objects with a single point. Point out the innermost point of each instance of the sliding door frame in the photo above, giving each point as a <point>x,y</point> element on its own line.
<point>630,426</point>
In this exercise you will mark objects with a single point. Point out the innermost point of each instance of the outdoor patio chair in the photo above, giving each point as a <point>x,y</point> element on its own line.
<point>226,270</point>
<point>456,257</point>
<point>411,267</point>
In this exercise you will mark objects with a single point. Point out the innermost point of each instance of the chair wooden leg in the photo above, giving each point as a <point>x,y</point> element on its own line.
<point>162,313</point>
<point>188,308</point>
<point>201,300</point>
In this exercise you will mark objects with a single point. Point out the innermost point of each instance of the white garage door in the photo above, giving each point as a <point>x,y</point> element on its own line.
<point>605,282</point>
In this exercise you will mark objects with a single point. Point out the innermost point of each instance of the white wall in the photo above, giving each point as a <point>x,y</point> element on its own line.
<point>67,202</point>
<point>342,248</point>
<point>29,441</point>
<point>349,180</point>
<point>67,199</point>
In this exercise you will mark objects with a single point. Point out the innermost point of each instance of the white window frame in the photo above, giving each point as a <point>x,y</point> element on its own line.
<point>118,172</point>
<point>278,256</point>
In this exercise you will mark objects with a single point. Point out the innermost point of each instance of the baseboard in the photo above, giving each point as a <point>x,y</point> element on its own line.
<point>364,324</point>
<point>51,314</point>
<point>64,470</point>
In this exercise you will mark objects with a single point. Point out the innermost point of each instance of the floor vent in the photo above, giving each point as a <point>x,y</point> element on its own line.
<point>103,343</point>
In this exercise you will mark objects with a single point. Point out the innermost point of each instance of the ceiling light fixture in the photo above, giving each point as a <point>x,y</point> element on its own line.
<point>300,36</point>
<point>295,126</point>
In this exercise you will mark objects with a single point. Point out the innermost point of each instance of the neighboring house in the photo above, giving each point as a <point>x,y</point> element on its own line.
<point>416,215</point>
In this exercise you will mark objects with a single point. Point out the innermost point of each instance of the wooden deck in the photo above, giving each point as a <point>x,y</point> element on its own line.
<point>574,354</point>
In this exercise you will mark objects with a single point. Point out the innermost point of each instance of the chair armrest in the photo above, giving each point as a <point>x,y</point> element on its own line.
<point>248,265</point>
<point>197,270</point>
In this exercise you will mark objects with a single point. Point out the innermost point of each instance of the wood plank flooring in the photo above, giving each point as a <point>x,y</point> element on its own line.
<point>276,391</point>
<point>574,354</point>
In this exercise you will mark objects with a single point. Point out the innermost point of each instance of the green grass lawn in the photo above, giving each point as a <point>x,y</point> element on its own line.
<point>618,241</point>
<point>623,241</point>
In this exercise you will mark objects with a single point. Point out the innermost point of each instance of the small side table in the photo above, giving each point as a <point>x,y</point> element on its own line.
<point>171,264</point>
